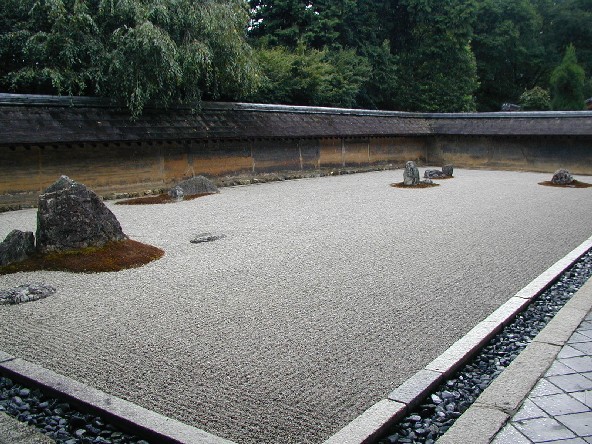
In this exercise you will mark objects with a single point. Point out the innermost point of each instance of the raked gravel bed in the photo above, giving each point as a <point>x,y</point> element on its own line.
<point>66,425</point>
<point>323,296</point>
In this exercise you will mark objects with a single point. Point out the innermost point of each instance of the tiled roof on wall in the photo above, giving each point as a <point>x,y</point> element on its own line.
<point>26,119</point>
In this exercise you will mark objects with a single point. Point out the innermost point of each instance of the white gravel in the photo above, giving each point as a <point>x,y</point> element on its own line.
<point>325,295</point>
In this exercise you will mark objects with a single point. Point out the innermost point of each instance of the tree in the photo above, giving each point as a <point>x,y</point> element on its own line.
<point>134,51</point>
<point>310,76</point>
<point>437,66</point>
<point>535,99</point>
<point>510,54</point>
<point>49,46</point>
<point>567,83</point>
<point>568,22</point>
<point>280,22</point>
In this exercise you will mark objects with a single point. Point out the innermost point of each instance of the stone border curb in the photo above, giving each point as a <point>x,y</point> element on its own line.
<point>502,399</point>
<point>129,416</point>
<point>366,428</point>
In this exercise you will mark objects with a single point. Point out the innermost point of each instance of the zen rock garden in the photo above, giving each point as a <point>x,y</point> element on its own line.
<point>75,232</point>
<point>69,217</point>
<point>411,176</point>
<point>562,178</point>
<point>192,188</point>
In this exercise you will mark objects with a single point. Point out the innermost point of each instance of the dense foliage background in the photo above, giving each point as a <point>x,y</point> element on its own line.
<point>416,55</point>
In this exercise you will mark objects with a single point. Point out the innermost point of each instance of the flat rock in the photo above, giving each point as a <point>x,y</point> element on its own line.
<point>26,293</point>
<point>70,216</point>
<point>207,237</point>
<point>16,247</point>
<point>434,174</point>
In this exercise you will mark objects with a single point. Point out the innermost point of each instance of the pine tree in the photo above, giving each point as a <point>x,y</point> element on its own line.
<point>567,83</point>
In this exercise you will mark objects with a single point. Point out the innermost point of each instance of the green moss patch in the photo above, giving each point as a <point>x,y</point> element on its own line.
<point>159,199</point>
<point>419,185</point>
<point>574,184</point>
<point>113,256</point>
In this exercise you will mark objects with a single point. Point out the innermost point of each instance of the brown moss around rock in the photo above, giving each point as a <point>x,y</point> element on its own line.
<point>113,256</point>
<point>419,185</point>
<point>574,184</point>
<point>159,199</point>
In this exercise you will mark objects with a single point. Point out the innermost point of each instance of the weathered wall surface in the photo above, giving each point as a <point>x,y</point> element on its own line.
<point>525,153</point>
<point>132,167</point>
<point>137,166</point>
<point>43,137</point>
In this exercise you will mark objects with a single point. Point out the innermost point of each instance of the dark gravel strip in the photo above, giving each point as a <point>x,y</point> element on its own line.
<point>58,419</point>
<point>439,410</point>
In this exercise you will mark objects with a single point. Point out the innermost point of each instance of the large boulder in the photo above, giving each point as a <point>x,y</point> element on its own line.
<point>16,247</point>
<point>411,174</point>
<point>70,216</point>
<point>562,177</point>
<point>197,185</point>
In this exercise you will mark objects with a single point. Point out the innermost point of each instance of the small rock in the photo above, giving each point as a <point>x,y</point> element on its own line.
<point>177,193</point>
<point>16,247</point>
<point>436,399</point>
<point>77,422</point>
<point>447,395</point>
<point>206,237</point>
<point>24,392</point>
<point>448,170</point>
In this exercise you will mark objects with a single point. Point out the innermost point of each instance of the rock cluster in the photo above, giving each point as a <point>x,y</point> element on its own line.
<point>562,177</point>
<point>16,247</point>
<point>26,293</point>
<point>447,171</point>
<point>69,217</point>
<point>411,174</point>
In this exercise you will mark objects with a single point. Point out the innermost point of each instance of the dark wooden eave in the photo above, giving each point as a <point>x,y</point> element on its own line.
<point>26,119</point>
